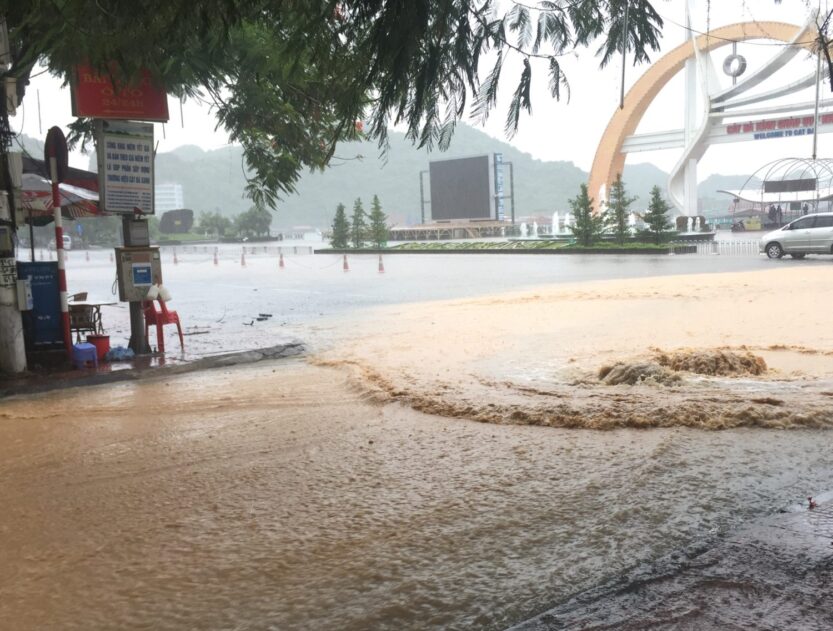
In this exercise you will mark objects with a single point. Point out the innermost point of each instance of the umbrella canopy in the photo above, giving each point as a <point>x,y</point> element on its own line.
<point>36,198</point>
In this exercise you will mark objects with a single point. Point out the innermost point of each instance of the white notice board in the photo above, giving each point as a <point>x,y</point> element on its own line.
<point>125,166</point>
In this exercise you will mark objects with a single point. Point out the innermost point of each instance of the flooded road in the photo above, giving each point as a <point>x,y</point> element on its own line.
<point>276,496</point>
<point>219,305</point>
<point>317,493</point>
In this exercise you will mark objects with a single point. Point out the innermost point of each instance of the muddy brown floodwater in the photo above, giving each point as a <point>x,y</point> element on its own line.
<point>300,494</point>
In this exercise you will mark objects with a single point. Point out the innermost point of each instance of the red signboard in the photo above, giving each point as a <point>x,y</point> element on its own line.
<point>94,96</point>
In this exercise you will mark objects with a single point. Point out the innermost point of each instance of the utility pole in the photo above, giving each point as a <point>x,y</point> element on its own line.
<point>422,197</point>
<point>12,350</point>
<point>816,109</point>
<point>624,58</point>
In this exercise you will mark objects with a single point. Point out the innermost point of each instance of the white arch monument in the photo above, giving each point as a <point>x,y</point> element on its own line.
<point>751,117</point>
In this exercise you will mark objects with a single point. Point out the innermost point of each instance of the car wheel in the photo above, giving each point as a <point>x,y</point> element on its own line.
<point>774,251</point>
<point>798,257</point>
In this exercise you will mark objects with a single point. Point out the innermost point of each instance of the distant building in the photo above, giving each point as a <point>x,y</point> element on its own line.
<point>168,197</point>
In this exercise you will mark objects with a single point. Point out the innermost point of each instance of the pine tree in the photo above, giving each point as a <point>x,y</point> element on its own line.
<point>340,237</point>
<point>618,209</point>
<point>656,217</point>
<point>358,226</point>
<point>378,232</point>
<point>587,226</point>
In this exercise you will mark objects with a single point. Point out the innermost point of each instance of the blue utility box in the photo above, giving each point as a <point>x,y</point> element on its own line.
<point>42,325</point>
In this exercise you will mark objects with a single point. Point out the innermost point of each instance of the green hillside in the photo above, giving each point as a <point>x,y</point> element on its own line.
<point>359,170</point>
<point>215,180</point>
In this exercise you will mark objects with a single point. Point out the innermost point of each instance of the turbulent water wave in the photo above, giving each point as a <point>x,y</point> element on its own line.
<point>707,389</point>
<point>706,352</point>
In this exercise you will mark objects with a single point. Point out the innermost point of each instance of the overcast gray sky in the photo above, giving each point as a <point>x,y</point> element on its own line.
<point>554,131</point>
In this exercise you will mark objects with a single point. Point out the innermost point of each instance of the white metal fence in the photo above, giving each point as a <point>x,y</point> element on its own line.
<point>724,248</point>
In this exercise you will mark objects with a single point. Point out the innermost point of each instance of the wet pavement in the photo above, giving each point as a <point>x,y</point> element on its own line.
<point>58,374</point>
<point>773,574</point>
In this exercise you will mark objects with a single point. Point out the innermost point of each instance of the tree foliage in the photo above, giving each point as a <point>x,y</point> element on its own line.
<point>340,237</point>
<point>587,226</point>
<point>378,230</point>
<point>98,230</point>
<point>214,223</point>
<point>656,218</point>
<point>358,225</point>
<point>618,209</point>
<point>255,222</point>
<point>288,80</point>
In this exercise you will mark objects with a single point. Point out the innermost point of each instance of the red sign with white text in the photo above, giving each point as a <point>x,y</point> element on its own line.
<point>94,96</point>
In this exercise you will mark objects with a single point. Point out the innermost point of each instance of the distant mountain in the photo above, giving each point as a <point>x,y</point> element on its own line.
<point>640,178</point>
<point>32,146</point>
<point>713,202</point>
<point>216,179</point>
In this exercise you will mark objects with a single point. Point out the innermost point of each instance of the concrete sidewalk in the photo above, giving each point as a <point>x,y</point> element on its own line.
<point>773,574</point>
<point>139,368</point>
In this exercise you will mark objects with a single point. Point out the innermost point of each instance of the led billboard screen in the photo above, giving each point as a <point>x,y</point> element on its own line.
<point>460,189</point>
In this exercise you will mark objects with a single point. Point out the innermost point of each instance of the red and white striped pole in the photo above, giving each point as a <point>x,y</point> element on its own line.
<point>59,248</point>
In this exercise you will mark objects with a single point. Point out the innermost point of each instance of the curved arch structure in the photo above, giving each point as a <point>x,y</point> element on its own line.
<point>821,190</point>
<point>610,159</point>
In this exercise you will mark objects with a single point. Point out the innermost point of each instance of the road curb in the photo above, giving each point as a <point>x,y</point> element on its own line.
<point>35,384</point>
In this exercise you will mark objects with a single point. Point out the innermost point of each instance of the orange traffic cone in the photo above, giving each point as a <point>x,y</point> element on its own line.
<point>345,266</point>
<point>280,261</point>
<point>381,265</point>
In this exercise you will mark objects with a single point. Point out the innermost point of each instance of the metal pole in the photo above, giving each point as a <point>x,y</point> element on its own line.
<point>512,190</point>
<point>137,342</point>
<point>624,57</point>
<point>59,249</point>
<point>816,112</point>
<point>421,198</point>
<point>31,235</point>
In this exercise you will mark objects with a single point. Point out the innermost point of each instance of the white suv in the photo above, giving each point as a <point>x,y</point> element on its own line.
<point>811,234</point>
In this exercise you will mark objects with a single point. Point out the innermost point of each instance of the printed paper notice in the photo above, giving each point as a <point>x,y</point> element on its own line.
<point>125,167</point>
